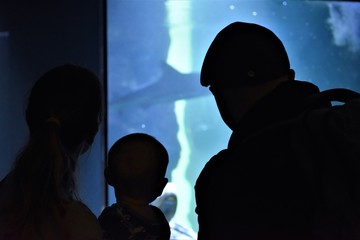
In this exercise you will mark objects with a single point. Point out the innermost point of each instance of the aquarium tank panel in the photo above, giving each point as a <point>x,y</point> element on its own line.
<point>155,50</point>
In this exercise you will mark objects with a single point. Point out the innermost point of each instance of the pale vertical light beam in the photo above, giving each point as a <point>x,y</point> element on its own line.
<point>179,56</point>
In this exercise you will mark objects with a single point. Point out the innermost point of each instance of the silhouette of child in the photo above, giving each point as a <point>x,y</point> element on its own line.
<point>136,169</point>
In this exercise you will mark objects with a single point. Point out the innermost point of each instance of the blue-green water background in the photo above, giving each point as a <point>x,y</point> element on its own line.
<point>155,52</point>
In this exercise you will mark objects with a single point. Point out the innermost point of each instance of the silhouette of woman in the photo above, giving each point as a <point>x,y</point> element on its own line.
<point>38,197</point>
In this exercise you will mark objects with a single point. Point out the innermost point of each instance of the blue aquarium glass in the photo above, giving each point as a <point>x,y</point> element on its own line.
<point>155,52</point>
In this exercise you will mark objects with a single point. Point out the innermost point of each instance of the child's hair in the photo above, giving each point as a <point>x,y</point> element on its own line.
<point>63,114</point>
<point>137,163</point>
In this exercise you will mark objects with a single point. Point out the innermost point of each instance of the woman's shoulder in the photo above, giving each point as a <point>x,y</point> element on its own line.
<point>81,222</point>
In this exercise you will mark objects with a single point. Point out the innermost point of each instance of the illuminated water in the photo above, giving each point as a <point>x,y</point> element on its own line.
<point>167,101</point>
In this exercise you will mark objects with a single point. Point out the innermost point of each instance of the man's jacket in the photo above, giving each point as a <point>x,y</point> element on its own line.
<point>290,171</point>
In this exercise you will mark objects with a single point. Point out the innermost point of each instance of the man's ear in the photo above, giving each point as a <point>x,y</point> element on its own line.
<point>109,176</point>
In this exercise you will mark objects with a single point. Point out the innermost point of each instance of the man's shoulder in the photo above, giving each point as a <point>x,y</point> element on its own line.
<point>218,158</point>
<point>211,168</point>
<point>215,161</point>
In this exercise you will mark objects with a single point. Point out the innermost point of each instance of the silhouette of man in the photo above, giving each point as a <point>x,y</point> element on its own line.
<point>257,188</point>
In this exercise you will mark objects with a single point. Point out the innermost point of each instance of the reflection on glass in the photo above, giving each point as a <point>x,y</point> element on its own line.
<point>155,52</point>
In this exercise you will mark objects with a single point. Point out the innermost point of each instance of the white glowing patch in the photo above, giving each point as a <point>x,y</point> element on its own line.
<point>344,21</point>
<point>179,57</point>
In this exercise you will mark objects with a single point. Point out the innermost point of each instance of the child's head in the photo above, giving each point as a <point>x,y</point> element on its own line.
<point>137,166</point>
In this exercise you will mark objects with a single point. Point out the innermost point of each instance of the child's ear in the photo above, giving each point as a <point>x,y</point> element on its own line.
<point>291,74</point>
<point>161,186</point>
<point>108,176</point>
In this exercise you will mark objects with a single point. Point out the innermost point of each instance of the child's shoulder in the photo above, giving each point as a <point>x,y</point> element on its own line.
<point>158,213</point>
<point>111,211</point>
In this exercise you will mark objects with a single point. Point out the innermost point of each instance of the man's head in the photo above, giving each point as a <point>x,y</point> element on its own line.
<point>137,166</point>
<point>244,54</point>
<point>244,62</point>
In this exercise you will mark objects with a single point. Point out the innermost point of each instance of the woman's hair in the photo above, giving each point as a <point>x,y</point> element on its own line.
<point>63,114</point>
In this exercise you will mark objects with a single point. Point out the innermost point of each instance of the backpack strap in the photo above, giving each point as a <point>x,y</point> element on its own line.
<point>342,95</point>
<point>326,144</point>
<point>318,127</point>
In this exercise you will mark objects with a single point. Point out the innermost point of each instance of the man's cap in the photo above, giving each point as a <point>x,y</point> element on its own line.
<point>244,54</point>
